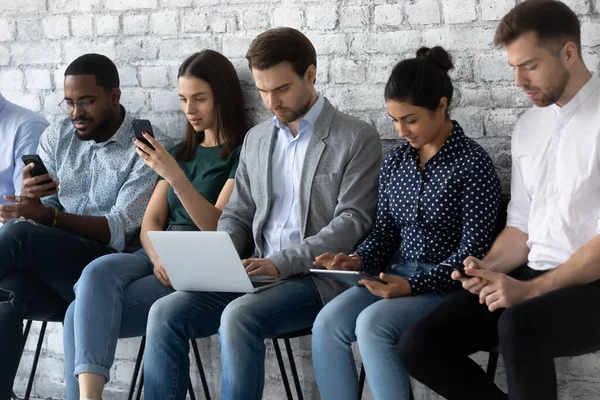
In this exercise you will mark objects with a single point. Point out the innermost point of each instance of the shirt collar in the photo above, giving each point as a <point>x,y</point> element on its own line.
<point>455,140</point>
<point>309,118</point>
<point>124,134</point>
<point>580,97</point>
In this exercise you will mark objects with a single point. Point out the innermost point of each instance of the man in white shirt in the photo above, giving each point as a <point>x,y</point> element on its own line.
<point>538,289</point>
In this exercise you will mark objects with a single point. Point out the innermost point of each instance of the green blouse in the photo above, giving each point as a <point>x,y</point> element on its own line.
<point>207,173</point>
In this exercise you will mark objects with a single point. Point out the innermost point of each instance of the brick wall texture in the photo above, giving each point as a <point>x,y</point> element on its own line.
<point>358,42</point>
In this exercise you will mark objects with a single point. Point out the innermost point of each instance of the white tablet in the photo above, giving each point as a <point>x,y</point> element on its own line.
<point>348,277</point>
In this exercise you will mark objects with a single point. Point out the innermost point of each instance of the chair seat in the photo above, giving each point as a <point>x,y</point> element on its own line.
<point>296,334</point>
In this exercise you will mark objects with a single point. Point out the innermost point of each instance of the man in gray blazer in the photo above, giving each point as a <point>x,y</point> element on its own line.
<point>306,184</point>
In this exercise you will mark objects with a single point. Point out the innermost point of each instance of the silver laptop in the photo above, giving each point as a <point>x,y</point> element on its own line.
<point>205,262</point>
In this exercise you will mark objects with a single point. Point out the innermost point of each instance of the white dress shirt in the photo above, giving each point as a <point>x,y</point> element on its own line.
<point>555,187</point>
<point>283,228</point>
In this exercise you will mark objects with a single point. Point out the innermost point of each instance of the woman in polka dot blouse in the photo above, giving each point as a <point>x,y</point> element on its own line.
<point>438,203</point>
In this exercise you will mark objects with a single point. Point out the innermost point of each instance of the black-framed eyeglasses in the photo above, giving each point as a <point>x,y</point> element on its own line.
<point>69,106</point>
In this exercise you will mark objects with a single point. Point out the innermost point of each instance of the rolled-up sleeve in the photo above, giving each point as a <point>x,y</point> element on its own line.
<point>125,217</point>
<point>47,152</point>
<point>520,201</point>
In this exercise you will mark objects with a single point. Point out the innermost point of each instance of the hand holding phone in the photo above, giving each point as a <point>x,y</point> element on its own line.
<point>140,126</point>
<point>37,182</point>
<point>38,167</point>
<point>459,267</point>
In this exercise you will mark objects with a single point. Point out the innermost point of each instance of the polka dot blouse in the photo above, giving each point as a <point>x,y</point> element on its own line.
<point>443,213</point>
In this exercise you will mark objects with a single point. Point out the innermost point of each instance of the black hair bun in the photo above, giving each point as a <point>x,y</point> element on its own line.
<point>436,55</point>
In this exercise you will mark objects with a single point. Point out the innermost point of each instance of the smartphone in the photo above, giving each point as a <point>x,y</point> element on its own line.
<point>142,125</point>
<point>459,267</point>
<point>39,167</point>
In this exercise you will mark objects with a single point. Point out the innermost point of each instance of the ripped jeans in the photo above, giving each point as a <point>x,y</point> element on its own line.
<point>38,267</point>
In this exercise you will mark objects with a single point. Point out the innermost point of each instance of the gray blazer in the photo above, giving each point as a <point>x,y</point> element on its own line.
<point>338,193</point>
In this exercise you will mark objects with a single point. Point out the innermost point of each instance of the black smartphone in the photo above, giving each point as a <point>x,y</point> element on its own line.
<point>460,268</point>
<point>142,125</point>
<point>39,167</point>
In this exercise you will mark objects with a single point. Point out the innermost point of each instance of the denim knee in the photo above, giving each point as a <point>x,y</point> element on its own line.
<point>18,228</point>
<point>101,272</point>
<point>326,326</point>
<point>163,316</point>
<point>235,316</point>
<point>371,326</point>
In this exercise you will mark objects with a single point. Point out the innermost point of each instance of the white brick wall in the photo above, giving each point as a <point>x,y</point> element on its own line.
<point>358,42</point>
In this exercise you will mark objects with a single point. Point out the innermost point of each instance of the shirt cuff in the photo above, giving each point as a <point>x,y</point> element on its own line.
<point>416,286</point>
<point>117,232</point>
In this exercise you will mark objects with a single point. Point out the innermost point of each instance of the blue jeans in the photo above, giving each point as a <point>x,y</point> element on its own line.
<point>173,321</point>
<point>113,298</point>
<point>377,324</point>
<point>38,267</point>
<point>245,321</point>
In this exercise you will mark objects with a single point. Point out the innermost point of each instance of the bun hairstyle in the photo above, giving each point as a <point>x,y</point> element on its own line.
<point>422,81</point>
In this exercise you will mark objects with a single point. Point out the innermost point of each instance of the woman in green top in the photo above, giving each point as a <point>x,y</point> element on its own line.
<point>115,292</point>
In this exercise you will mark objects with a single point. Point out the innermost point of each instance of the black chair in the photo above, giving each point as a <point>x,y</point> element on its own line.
<point>288,347</point>
<point>138,372</point>
<point>38,350</point>
<point>492,363</point>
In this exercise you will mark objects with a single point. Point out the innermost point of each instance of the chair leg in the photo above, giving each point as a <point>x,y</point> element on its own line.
<point>288,348</point>
<point>141,384</point>
<point>25,336</point>
<point>36,358</point>
<point>26,332</point>
<point>200,369</point>
<point>191,389</point>
<point>361,381</point>
<point>284,378</point>
<point>492,365</point>
<point>136,369</point>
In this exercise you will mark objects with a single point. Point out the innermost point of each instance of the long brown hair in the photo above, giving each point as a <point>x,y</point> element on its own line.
<point>230,115</point>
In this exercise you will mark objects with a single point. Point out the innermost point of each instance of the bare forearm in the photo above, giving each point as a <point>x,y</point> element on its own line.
<point>509,251</point>
<point>204,214</point>
<point>94,228</point>
<point>148,226</point>
<point>581,268</point>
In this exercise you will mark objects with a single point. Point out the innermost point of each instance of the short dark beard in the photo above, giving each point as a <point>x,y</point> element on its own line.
<point>297,114</point>
<point>104,125</point>
<point>555,92</point>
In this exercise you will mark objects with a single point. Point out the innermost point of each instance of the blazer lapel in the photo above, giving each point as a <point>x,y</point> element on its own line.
<point>316,147</point>
<point>264,176</point>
